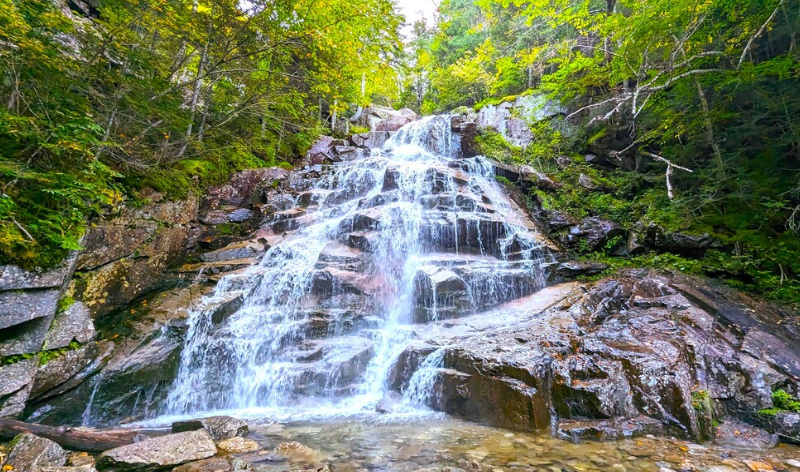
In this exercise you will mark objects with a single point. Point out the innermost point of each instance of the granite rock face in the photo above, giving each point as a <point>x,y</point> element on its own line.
<point>641,344</point>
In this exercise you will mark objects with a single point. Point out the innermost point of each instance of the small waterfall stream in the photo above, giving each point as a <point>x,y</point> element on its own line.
<point>374,255</point>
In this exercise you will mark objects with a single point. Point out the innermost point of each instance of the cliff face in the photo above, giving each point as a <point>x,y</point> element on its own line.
<point>49,344</point>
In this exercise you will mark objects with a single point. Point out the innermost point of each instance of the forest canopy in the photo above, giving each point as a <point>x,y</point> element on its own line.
<point>102,98</point>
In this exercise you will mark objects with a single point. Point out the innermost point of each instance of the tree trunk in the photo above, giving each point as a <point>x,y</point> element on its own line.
<point>76,439</point>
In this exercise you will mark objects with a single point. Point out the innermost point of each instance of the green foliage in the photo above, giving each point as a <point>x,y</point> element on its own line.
<point>493,145</point>
<point>503,180</point>
<point>65,303</point>
<point>171,95</point>
<point>49,355</point>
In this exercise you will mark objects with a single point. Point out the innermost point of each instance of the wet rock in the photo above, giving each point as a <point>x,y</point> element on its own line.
<point>159,452</point>
<point>118,283</point>
<point>614,429</point>
<point>371,140</point>
<point>80,459</point>
<point>214,464</point>
<point>16,385</point>
<point>218,427</point>
<point>734,433</point>
<point>575,268</point>
<point>59,370</point>
<point>294,451</point>
<point>440,293</point>
<point>469,132</point>
<point>240,250</point>
<point>72,324</point>
<point>31,453</point>
<point>633,345</point>
<point>238,445</point>
<point>348,153</point>
<point>378,118</point>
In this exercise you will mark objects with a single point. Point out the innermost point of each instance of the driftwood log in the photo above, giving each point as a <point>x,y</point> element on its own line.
<point>73,438</point>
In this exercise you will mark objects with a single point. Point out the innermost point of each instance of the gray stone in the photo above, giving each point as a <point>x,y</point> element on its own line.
<point>159,452</point>
<point>72,324</point>
<point>17,381</point>
<point>15,278</point>
<point>20,306</point>
<point>240,250</point>
<point>734,433</point>
<point>59,370</point>
<point>33,454</point>
<point>214,464</point>
<point>218,427</point>
<point>371,140</point>
<point>80,468</point>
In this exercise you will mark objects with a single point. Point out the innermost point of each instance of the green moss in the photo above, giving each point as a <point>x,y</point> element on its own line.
<point>65,303</point>
<point>355,129</point>
<point>502,180</point>
<point>8,360</point>
<point>49,355</point>
<point>493,145</point>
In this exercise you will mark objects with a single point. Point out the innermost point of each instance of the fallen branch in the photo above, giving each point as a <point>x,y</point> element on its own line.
<point>670,169</point>
<point>77,439</point>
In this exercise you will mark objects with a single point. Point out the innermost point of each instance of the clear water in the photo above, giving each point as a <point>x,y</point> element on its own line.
<point>429,221</point>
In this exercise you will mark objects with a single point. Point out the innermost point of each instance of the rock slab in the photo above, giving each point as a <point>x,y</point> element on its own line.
<point>159,453</point>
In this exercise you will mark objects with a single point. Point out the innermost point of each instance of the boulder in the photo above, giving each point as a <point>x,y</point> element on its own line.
<point>218,427</point>
<point>159,452</point>
<point>31,453</point>
<point>320,151</point>
<point>593,234</point>
<point>614,429</point>
<point>80,459</point>
<point>238,445</point>
<point>16,385</point>
<point>536,178</point>
<point>680,243</point>
<point>572,269</point>
<point>214,464</point>
<point>30,313</point>
<point>378,118</point>
<point>72,324</point>
<point>371,140</point>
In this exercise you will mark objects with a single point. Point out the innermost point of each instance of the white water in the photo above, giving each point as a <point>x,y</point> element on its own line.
<point>428,218</point>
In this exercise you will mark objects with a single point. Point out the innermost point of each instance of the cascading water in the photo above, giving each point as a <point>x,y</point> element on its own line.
<point>379,247</point>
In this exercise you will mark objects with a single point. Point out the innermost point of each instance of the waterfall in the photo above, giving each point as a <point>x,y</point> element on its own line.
<point>374,255</point>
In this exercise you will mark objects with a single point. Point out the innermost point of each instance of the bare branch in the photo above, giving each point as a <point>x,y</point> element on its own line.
<point>758,33</point>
